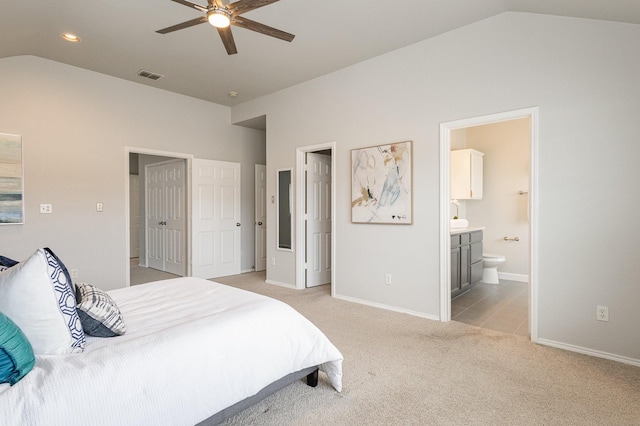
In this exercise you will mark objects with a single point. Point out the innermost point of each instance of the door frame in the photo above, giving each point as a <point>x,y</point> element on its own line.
<point>445,240</point>
<point>301,197</point>
<point>145,151</point>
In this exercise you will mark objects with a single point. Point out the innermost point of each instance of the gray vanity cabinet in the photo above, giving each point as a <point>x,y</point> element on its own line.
<point>466,261</point>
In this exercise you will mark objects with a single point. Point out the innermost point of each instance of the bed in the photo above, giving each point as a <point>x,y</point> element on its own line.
<point>194,352</point>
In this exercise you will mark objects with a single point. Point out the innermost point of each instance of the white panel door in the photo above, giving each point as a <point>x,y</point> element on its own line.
<point>318,236</point>
<point>134,215</point>
<point>261,218</point>
<point>166,217</point>
<point>155,216</point>
<point>174,218</point>
<point>216,231</point>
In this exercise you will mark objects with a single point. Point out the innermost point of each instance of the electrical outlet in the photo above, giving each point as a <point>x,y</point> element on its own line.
<point>273,261</point>
<point>602,313</point>
<point>387,279</point>
<point>99,207</point>
<point>46,208</point>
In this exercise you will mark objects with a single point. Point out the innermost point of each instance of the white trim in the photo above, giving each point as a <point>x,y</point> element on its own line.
<point>388,308</point>
<point>513,277</point>
<point>445,241</point>
<point>590,352</point>
<point>300,200</point>
<point>281,284</point>
<point>145,151</point>
<point>246,271</point>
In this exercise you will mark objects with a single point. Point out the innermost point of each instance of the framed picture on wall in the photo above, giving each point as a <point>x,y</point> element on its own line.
<point>11,187</point>
<point>381,184</point>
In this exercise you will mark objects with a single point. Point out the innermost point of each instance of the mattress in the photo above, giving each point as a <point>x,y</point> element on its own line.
<point>192,348</point>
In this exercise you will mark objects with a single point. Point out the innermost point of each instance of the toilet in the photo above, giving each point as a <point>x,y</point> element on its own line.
<point>490,264</point>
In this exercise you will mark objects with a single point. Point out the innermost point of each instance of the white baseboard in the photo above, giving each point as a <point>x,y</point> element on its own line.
<point>244,271</point>
<point>387,307</point>
<point>281,284</point>
<point>590,352</point>
<point>513,277</point>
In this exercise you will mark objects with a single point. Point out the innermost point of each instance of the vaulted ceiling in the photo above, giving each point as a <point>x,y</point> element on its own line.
<point>118,37</point>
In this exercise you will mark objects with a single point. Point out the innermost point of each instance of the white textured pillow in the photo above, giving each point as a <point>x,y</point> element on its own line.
<point>36,294</point>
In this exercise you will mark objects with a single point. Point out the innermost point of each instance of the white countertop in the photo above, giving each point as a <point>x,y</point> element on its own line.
<point>456,231</point>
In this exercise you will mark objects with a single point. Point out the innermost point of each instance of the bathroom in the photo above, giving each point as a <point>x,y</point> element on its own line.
<point>503,213</point>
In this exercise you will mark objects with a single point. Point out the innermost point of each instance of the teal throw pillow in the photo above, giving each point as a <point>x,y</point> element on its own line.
<point>16,353</point>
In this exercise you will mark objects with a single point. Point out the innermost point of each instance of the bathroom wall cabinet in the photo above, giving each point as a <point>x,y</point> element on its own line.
<point>466,261</point>
<point>466,174</point>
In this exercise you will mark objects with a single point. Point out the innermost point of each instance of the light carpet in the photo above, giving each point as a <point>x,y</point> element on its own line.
<point>404,370</point>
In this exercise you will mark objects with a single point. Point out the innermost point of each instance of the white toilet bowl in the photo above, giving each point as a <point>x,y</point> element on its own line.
<point>490,263</point>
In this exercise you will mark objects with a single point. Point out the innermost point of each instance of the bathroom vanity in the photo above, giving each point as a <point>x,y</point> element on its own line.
<point>466,259</point>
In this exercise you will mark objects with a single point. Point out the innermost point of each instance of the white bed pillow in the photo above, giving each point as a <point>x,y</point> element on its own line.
<point>36,295</point>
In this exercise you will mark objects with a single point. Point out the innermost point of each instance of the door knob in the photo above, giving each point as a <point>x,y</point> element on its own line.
<point>260,223</point>
<point>238,224</point>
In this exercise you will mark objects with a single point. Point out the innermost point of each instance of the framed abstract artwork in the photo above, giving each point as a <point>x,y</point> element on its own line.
<point>381,184</point>
<point>11,186</point>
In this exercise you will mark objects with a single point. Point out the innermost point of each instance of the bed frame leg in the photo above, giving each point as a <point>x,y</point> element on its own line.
<point>312,379</point>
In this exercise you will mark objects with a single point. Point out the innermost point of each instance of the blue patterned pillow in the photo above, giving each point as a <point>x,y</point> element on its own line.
<point>16,353</point>
<point>36,294</point>
<point>5,263</point>
<point>99,314</point>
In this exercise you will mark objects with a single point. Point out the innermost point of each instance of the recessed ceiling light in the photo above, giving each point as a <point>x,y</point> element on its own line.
<point>233,94</point>
<point>70,37</point>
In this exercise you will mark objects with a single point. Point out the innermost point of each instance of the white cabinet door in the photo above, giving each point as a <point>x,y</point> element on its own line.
<point>216,231</point>
<point>466,174</point>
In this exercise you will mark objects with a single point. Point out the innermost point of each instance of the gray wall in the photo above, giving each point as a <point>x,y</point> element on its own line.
<point>583,76</point>
<point>75,126</point>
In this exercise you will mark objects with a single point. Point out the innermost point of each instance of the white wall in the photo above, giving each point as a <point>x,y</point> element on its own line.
<point>75,126</point>
<point>502,210</point>
<point>582,74</point>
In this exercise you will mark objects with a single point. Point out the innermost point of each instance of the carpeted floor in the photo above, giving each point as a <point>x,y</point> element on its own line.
<point>404,370</point>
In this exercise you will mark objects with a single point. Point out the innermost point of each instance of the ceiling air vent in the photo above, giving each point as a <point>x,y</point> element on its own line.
<point>150,75</point>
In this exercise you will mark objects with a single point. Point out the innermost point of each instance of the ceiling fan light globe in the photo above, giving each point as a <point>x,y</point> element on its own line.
<point>219,19</point>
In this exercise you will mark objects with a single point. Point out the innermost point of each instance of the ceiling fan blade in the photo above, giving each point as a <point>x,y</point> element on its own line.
<point>243,22</point>
<point>193,5</point>
<point>227,40</point>
<point>243,6</point>
<point>187,24</point>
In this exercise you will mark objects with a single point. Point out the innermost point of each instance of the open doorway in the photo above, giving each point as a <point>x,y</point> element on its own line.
<point>506,217</point>
<point>315,224</point>
<point>158,233</point>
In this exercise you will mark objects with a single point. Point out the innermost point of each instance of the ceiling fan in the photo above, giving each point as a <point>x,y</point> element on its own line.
<point>222,16</point>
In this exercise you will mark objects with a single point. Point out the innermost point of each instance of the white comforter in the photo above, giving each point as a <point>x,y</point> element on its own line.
<point>192,348</point>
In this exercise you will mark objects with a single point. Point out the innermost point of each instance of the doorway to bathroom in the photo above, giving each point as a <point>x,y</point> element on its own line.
<point>505,214</point>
